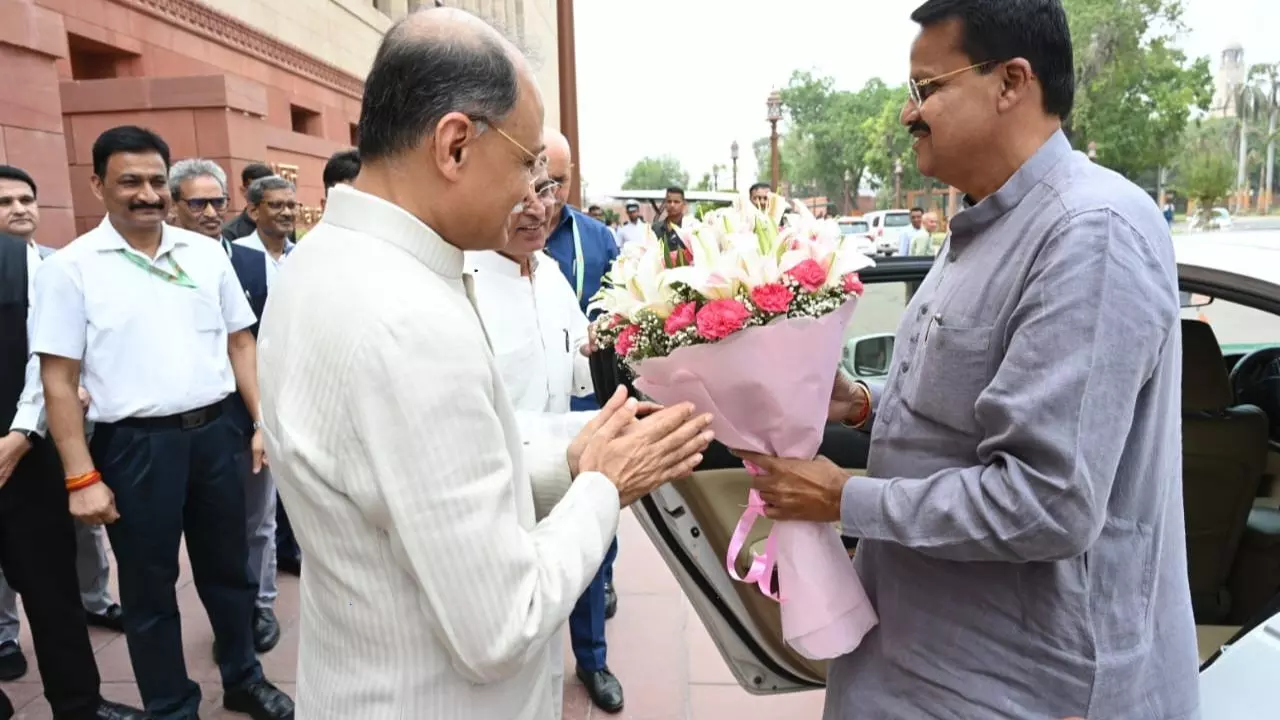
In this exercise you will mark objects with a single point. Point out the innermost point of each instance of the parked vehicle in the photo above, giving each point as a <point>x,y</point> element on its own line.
<point>885,228</point>
<point>860,230</point>
<point>1216,219</point>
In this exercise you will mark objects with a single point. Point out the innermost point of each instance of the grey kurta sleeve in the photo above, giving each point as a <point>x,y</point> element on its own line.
<point>1091,322</point>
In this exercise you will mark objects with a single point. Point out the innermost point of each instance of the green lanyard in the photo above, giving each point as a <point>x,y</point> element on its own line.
<point>179,276</point>
<point>578,261</point>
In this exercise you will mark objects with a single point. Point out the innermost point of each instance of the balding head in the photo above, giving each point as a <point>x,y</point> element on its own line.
<point>559,166</point>
<point>433,62</point>
<point>450,126</point>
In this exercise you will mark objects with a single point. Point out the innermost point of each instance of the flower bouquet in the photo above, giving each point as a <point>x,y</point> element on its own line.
<point>748,325</point>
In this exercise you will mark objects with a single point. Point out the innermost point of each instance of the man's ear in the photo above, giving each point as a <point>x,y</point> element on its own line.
<point>1016,82</point>
<point>449,144</point>
<point>253,213</point>
<point>95,184</point>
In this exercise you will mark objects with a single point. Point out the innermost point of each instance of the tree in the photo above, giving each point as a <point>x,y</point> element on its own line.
<point>657,173</point>
<point>1134,87</point>
<point>1205,168</point>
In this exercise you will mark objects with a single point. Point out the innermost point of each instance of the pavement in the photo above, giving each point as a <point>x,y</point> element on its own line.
<point>669,666</point>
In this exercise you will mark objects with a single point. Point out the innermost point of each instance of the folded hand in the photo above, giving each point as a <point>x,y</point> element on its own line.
<point>850,401</point>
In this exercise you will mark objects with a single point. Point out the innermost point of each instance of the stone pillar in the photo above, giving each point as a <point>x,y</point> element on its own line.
<point>32,39</point>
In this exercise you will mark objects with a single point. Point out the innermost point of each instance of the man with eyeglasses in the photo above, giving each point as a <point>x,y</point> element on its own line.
<point>199,189</point>
<point>1020,522</point>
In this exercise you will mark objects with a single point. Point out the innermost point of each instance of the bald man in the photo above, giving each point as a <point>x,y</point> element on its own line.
<point>432,589</point>
<point>585,249</point>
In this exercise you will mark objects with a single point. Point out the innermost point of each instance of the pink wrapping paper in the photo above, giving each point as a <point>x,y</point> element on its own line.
<point>768,389</point>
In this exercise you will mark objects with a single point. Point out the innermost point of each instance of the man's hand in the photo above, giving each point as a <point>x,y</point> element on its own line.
<point>589,430</point>
<point>798,489</point>
<point>590,345</point>
<point>84,399</point>
<point>94,505</point>
<point>850,401</point>
<point>258,447</point>
<point>12,448</point>
<point>638,456</point>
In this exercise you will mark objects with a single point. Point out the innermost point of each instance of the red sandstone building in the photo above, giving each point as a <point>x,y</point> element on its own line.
<point>211,85</point>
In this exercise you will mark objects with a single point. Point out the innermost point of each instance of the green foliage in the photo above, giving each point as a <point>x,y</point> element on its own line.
<point>656,174</point>
<point>1134,87</point>
<point>1206,171</point>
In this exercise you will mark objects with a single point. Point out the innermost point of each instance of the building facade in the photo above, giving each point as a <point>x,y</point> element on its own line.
<point>1227,82</point>
<point>236,81</point>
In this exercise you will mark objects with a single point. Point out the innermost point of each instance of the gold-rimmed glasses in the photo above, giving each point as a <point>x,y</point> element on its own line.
<point>538,161</point>
<point>920,90</point>
<point>544,191</point>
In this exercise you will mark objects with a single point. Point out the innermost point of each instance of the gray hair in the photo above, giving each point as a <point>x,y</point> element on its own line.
<point>259,188</point>
<point>192,168</point>
<point>421,74</point>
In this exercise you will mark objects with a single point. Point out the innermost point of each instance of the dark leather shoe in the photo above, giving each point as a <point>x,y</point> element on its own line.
<point>13,664</point>
<point>266,629</point>
<point>259,700</point>
<point>112,619</point>
<point>108,710</point>
<point>603,689</point>
<point>610,601</point>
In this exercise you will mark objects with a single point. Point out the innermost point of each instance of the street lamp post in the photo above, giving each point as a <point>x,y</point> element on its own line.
<point>775,114</point>
<point>848,178</point>
<point>897,182</point>
<point>733,155</point>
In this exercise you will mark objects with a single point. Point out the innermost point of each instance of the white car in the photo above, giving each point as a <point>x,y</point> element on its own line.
<point>1231,488</point>
<point>886,228</point>
<point>859,231</point>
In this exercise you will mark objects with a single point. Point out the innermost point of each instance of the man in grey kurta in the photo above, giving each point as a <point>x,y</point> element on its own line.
<point>1021,521</point>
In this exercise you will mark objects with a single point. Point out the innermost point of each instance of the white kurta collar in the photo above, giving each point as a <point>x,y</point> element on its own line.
<point>361,212</point>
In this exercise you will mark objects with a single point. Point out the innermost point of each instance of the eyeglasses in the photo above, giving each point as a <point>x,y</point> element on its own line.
<point>278,205</point>
<point>538,161</point>
<point>544,191</point>
<point>920,90</point>
<point>197,205</point>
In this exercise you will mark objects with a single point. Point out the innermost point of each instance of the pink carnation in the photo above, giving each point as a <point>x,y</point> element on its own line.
<point>626,340</point>
<point>852,284</point>
<point>680,318</point>
<point>809,274</point>
<point>721,318</point>
<point>772,298</point>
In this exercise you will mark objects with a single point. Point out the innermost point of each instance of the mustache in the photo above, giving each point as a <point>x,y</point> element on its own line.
<point>146,206</point>
<point>918,126</point>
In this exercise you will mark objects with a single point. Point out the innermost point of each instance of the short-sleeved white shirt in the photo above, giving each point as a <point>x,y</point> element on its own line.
<point>148,347</point>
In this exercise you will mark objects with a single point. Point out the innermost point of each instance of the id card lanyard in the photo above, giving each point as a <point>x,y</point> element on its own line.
<point>578,261</point>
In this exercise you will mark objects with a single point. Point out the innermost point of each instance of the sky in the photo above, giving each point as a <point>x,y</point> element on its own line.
<point>688,77</point>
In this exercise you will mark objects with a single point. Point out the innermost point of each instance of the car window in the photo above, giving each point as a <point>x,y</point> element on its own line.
<point>897,220</point>
<point>1239,328</point>
<point>853,228</point>
<point>869,336</point>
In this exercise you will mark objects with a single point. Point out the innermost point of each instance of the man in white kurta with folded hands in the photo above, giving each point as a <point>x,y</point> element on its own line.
<point>430,591</point>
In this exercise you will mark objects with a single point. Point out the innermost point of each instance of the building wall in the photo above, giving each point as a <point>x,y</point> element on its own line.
<point>238,81</point>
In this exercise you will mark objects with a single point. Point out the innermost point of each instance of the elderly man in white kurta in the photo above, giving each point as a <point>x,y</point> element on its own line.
<point>540,341</point>
<point>431,592</point>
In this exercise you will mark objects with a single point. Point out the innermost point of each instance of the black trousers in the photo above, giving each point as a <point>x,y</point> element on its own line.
<point>38,556</point>
<point>169,482</point>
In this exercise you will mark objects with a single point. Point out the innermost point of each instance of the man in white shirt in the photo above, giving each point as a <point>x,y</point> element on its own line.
<point>431,591</point>
<point>154,320</point>
<point>38,538</point>
<point>635,229</point>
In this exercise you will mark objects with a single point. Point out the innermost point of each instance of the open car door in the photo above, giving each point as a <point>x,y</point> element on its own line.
<point>690,521</point>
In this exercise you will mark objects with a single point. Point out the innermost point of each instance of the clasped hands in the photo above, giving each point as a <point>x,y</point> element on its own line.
<point>809,489</point>
<point>640,446</point>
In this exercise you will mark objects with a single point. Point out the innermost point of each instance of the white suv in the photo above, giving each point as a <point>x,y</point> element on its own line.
<point>886,227</point>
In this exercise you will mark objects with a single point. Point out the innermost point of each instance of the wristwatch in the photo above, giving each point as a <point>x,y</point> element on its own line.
<point>30,435</point>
